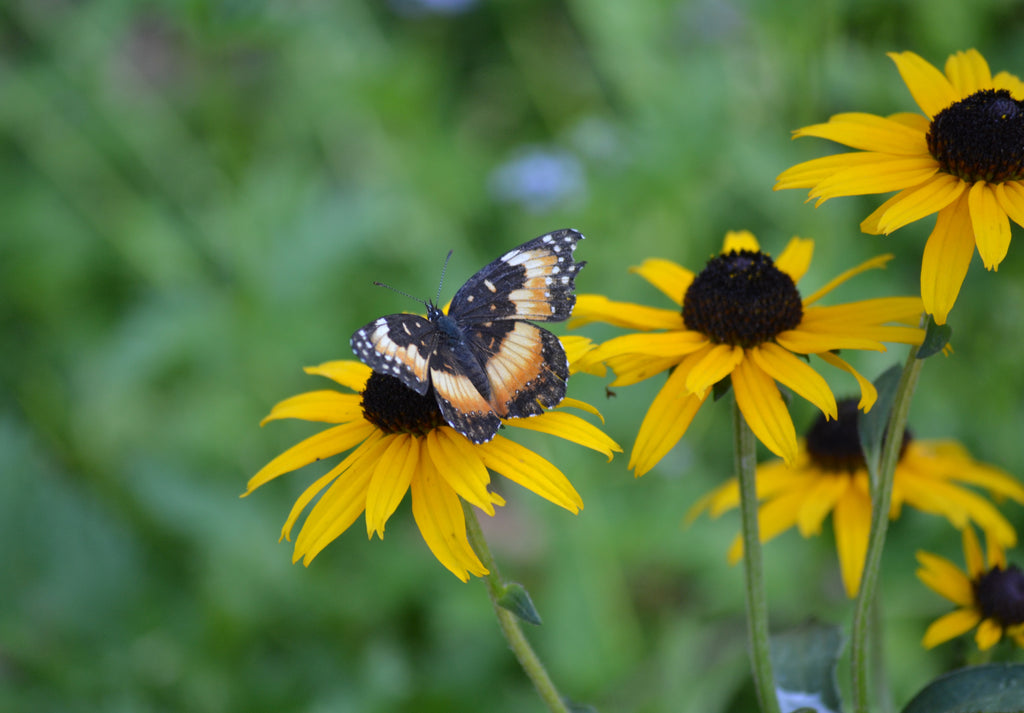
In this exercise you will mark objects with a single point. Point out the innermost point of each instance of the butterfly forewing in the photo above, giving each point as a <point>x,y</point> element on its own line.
<point>534,281</point>
<point>398,345</point>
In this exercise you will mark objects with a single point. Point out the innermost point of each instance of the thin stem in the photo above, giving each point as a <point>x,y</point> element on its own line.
<point>745,455</point>
<point>508,621</point>
<point>881,501</point>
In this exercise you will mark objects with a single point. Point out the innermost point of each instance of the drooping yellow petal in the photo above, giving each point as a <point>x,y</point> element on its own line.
<point>914,203</point>
<point>671,278</point>
<point>990,224</point>
<point>458,463</point>
<point>822,496</point>
<point>666,421</point>
<point>968,72</point>
<point>868,392</point>
<point>947,255</point>
<point>598,308</point>
<point>714,364</point>
<point>795,373</point>
<point>950,626</point>
<point>851,522</point>
<point>764,410</point>
<point>796,258</point>
<point>571,428</point>
<point>877,262</point>
<point>945,579</point>
<point>352,374</point>
<point>337,439</point>
<point>929,87</point>
<point>988,634</point>
<point>869,133</point>
<point>1010,195</point>
<point>523,466</point>
<point>340,505</point>
<point>441,521</point>
<point>973,556</point>
<point>391,478</point>
<point>322,406</point>
<point>740,240</point>
<point>887,173</point>
<point>581,405</point>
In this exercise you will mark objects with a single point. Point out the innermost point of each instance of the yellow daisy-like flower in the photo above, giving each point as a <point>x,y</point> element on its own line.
<point>397,442</point>
<point>742,318</point>
<point>963,159</point>
<point>829,476</point>
<point>989,595</point>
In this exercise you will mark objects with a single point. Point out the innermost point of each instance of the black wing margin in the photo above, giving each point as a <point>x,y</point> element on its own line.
<point>398,345</point>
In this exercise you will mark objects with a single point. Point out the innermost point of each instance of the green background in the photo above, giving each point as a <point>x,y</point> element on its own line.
<point>194,200</point>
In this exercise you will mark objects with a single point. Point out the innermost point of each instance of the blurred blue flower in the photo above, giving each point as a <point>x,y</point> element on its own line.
<point>432,7</point>
<point>538,178</point>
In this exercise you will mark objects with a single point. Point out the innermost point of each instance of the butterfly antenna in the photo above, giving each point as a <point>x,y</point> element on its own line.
<point>444,269</point>
<point>401,292</point>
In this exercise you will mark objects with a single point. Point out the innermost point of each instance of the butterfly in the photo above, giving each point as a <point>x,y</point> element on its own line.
<point>485,359</point>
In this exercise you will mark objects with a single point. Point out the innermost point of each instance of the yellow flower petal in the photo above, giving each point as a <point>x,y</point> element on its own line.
<point>947,255</point>
<point>990,224</point>
<point>340,505</point>
<point>774,518</point>
<point>711,366</point>
<point>945,579</point>
<point>597,308</point>
<point>391,478</point>
<point>352,374</point>
<point>1010,195</point>
<point>988,634</point>
<point>822,497</point>
<point>571,428</point>
<point>851,522</point>
<point>877,262</point>
<point>796,258</point>
<point>581,405</point>
<point>929,87</point>
<point>871,312</point>
<point>973,556</point>
<point>914,203</point>
<point>457,461</point>
<point>739,240</point>
<point>666,421</point>
<point>439,516</point>
<point>674,344</point>
<point>869,133</point>
<point>324,406</point>
<point>578,351</point>
<point>795,373</point>
<point>817,338</point>
<point>887,173</point>
<point>968,72</point>
<point>868,392</point>
<point>949,627</point>
<point>631,368</point>
<point>764,410</point>
<point>523,466</point>
<point>672,279</point>
<point>337,439</point>
<point>809,173</point>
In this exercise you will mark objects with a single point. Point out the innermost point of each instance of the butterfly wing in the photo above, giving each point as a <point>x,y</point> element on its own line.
<point>526,366</point>
<point>398,345</point>
<point>455,374</point>
<point>534,281</point>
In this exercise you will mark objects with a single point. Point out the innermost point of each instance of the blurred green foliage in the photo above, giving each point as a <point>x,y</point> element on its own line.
<point>194,199</point>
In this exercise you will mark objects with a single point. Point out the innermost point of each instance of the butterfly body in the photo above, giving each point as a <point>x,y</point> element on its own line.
<point>485,359</point>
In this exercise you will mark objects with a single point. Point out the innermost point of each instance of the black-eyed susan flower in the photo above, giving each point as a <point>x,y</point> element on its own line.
<point>829,476</point>
<point>742,318</point>
<point>989,594</point>
<point>396,441</point>
<point>963,159</point>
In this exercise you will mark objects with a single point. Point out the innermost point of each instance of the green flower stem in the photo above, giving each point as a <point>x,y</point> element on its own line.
<point>509,622</point>
<point>881,500</point>
<point>757,604</point>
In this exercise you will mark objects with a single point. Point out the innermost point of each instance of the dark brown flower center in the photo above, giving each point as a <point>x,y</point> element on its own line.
<point>834,446</point>
<point>980,138</point>
<point>999,594</point>
<point>740,298</point>
<point>393,407</point>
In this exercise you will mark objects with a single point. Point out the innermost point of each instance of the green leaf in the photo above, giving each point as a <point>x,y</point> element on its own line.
<point>871,425</point>
<point>993,688</point>
<point>517,600</point>
<point>804,663</point>
<point>935,338</point>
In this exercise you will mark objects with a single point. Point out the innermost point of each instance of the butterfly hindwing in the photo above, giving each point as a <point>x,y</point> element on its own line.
<point>399,345</point>
<point>461,402</point>
<point>534,281</point>
<point>526,366</point>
